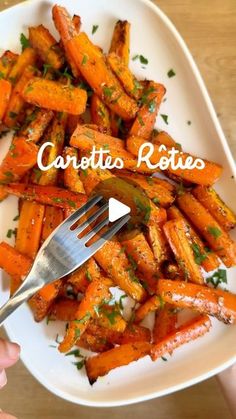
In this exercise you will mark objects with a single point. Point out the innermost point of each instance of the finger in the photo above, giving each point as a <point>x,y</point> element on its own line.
<point>3,379</point>
<point>6,416</point>
<point>9,353</point>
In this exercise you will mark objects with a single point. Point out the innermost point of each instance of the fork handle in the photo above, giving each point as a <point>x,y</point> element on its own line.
<point>24,292</point>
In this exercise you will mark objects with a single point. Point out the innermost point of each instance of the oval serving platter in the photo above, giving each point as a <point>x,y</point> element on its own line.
<point>155,37</point>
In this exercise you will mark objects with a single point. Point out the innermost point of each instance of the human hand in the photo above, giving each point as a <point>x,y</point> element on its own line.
<point>9,355</point>
<point>227,380</point>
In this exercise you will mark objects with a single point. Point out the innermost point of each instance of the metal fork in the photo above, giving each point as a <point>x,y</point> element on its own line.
<point>63,252</point>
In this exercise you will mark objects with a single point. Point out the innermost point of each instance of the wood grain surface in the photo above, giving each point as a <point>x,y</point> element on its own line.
<point>209,29</point>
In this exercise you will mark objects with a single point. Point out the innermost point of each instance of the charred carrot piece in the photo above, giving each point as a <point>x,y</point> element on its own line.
<point>102,364</point>
<point>163,138</point>
<point>158,243</point>
<point>77,22</point>
<point>53,95</point>
<point>26,59</point>
<point>165,322</point>
<point>72,179</point>
<point>48,195</point>
<point>127,79</point>
<point>218,239</point>
<point>141,256</point>
<point>5,89</point>
<point>120,43</point>
<point>146,116</point>
<point>160,191</point>
<point>100,114</point>
<point>29,228</point>
<point>36,125</point>
<point>53,217</point>
<point>215,302</point>
<point>81,277</point>
<point>21,157</point>
<point>7,60</point>
<point>16,102</point>
<point>176,232</point>
<point>152,304</point>
<point>64,309</point>
<point>46,46</point>
<point>208,260</point>
<point>97,291</point>
<point>172,271</point>
<point>13,262</point>
<point>91,63</point>
<point>72,122</point>
<point>93,343</point>
<point>209,198</point>
<point>206,176</point>
<point>189,331</point>
<point>41,302</point>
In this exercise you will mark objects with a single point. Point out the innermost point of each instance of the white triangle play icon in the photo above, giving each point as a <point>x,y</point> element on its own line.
<point>117,210</point>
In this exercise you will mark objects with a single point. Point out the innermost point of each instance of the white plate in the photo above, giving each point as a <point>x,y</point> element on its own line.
<point>155,37</point>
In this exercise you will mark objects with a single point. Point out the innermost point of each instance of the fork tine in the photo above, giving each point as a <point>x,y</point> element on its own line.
<point>92,218</point>
<point>95,230</point>
<point>109,233</point>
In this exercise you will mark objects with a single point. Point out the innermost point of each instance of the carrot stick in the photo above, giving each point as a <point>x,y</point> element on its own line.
<point>21,157</point>
<point>146,116</point>
<point>109,317</point>
<point>72,179</point>
<point>93,343</point>
<point>102,364</point>
<point>48,195</point>
<point>127,79</point>
<point>52,218</point>
<point>209,228</point>
<point>13,262</point>
<point>38,122</point>
<point>208,260</point>
<point>81,277</point>
<point>163,138</point>
<point>165,322</point>
<point>217,208</point>
<point>141,256</point>
<point>55,96</point>
<point>16,102</point>
<point>152,304</point>
<point>206,176</point>
<point>100,114</point>
<point>189,331</point>
<point>64,309</point>
<point>172,271</point>
<point>176,232</point>
<point>96,292</point>
<point>5,89</point>
<point>27,58</point>
<point>215,302</point>
<point>91,63</point>
<point>29,228</point>
<point>41,302</point>
<point>7,60</point>
<point>120,43</point>
<point>158,243</point>
<point>46,46</point>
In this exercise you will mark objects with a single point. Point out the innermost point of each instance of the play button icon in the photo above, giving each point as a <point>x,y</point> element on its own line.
<point>116,210</point>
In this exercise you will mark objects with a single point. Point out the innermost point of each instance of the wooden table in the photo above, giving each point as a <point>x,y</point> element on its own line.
<point>208,27</point>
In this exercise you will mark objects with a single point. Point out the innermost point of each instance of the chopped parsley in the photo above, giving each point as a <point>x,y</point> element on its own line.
<point>218,278</point>
<point>2,76</point>
<point>57,200</point>
<point>71,203</point>
<point>171,73</point>
<point>141,121</point>
<point>11,233</point>
<point>121,301</point>
<point>16,218</point>
<point>88,275</point>
<point>143,209</point>
<point>189,122</point>
<point>165,118</point>
<point>94,29</point>
<point>46,67</point>
<point>74,352</point>
<point>85,59</point>
<point>142,59</point>
<point>155,200</point>
<point>199,257</point>
<point>89,134</point>
<point>214,231</point>
<point>79,365</point>
<point>84,319</point>
<point>24,42</point>
<point>132,262</point>
<point>12,115</point>
<point>108,91</point>
<point>152,106</point>
<point>37,174</point>
<point>164,359</point>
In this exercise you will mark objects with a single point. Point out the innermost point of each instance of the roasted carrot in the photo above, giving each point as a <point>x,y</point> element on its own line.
<point>29,228</point>
<point>36,124</point>
<point>102,364</point>
<point>172,271</point>
<point>52,218</point>
<point>97,291</point>
<point>21,157</point>
<point>120,43</point>
<point>53,95</point>
<point>100,114</point>
<point>81,277</point>
<point>72,122</point>
<point>163,138</point>
<point>46,46</point>
<point>176,232</point>
<point>127,79</point>
<point>165,322</point>
<point>13,262</point>
<point>91,63</point>
<point>71,175</point>
<point>159,190</point>
<point>186,333</point>
<point>16,102</point>
<point>93,343</point>
<point>64,309</point>
<point>27,58</point>
<point>7,60</point>
<point>48,195</point>
<point>206,176</point>
<point>5,89</point>
<point>41,302</point>
<point>209,198</point>
<point>158,243</point>
<point>208,260</point>
<point>215,302</point>
<point>218,239</point>
<point>141,256</point>
<point>146,116</point>
<point>152,304</point>
<point>109,316</point>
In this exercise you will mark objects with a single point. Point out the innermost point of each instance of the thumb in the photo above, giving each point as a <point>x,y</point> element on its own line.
<point>9,353</point>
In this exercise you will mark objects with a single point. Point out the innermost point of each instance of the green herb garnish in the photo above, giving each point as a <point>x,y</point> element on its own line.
<point>24,42</point>
<point>165,118</point>
<point>94,29</point>
<point>171,73</point>
<point>199,257</point>
<point>218,278</point>
<point>214,231</point>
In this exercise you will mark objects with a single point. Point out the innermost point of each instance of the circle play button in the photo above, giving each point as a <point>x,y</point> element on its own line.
<point>117,210</point>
